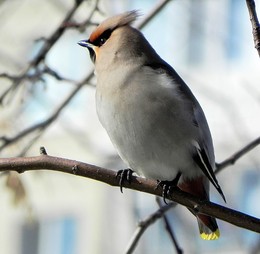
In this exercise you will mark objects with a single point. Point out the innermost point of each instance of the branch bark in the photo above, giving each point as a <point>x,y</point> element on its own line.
<point>47,162</point>
<point>254,23</point>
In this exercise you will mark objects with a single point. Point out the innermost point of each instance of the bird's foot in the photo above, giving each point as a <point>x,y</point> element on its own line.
<point>168,187</point>
<point>124,175</point>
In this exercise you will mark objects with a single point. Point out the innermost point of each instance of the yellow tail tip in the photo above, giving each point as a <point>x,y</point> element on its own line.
<point>212,236</point>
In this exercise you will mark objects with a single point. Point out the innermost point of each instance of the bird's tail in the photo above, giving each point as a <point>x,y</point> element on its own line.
<point>207,225</point>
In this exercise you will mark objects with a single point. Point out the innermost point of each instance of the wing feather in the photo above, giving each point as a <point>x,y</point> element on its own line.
<point>204,152</point>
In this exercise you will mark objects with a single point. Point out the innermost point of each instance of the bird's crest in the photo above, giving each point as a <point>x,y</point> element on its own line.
<point>114,22</point>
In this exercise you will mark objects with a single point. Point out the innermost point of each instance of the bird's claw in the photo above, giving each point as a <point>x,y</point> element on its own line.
<point>168,187</point>
<point>124,175</point>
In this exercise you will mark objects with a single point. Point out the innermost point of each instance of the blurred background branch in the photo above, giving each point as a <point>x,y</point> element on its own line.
<point>41,55</point>
<point>232,159</point>
<point>144,224</point>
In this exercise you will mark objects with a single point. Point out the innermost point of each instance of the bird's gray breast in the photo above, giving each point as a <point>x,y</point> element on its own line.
<point>147,121</point>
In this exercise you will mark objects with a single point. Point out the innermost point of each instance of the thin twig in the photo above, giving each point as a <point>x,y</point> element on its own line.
<point>254,23</point>
<point>55,74</point>
<point>169,229</point>
<point>143,225</point>
<point>40,127</point>
<point>35,76</point>
<point>157,8</point>
<point>48,43</point>
<point>40,57</point>
<point>232,159</point>
<point>82,25</point>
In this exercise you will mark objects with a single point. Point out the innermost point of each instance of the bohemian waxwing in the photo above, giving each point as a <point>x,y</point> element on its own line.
<point>150,114</point>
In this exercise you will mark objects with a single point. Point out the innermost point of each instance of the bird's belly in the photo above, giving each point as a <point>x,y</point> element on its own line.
<point>147,138</point>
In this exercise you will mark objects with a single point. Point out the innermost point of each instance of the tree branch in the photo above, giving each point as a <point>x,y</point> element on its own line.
<point>157,8</point>
<point>254,23</point>
<point>168,227</point>
<point>140,184</point>
<point>232,159</point>
<point>40,57</point>
<point>47,122</point>
<point>36,76</point>
<point>144,224</point>
<point>82,25</point>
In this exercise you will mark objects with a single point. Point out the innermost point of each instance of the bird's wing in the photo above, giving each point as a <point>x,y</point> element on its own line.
<point>203,152</point>
<point>201,159</point>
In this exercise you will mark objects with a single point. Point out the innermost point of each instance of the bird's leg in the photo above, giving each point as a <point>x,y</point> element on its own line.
<point>168,186</point>
<point>124,175</point>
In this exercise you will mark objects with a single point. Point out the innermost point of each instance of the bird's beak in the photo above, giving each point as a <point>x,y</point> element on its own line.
<point>90,47</point>
<point>85,43</point>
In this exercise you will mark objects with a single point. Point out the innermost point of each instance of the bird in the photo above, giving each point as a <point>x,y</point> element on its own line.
<point>151,116</point>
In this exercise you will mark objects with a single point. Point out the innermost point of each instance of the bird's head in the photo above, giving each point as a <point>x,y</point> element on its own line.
<point>114,40</point>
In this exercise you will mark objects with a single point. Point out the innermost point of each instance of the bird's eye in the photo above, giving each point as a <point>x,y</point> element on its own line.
<point>103,38</point>
<point>102,41</point>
